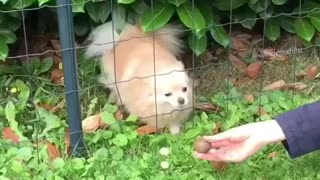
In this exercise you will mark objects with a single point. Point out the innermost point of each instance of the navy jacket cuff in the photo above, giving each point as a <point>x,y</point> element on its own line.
<point>301,128</point>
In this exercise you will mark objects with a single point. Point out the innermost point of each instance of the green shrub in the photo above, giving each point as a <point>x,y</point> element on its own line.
<point>204,18</point>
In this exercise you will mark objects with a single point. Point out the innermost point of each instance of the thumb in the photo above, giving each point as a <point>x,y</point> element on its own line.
<point>236,134</point>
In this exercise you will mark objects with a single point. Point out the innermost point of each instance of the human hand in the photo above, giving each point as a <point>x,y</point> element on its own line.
<point>238,144</point>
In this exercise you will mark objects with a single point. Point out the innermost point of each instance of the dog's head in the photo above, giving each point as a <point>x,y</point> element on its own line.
<point>174,88</point>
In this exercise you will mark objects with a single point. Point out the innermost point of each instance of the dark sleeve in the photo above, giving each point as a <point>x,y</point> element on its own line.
<point>301,128</point>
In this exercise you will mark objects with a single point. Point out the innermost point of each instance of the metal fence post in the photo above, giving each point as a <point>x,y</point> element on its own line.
<point>67,40</point>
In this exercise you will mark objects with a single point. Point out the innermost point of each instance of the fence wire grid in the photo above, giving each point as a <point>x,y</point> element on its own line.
<point>211,75</point>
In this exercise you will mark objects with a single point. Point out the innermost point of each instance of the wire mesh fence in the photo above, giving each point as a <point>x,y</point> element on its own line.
<point>221,74</point>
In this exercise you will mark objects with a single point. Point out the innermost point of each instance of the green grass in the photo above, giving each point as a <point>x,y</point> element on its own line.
<point>119,152</point>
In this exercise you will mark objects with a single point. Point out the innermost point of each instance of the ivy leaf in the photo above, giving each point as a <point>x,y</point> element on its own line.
<point>4,1</point>
<point>116,152</point>
<point>98,11</point>
<point>119,17</point>
<point>191,16</point>
<point>41,2</point>
<point>177,2</point>
<point>78,6</point>
<point>20,4</point>
<point>125,1</point>
<point>206,8</point>
<point>4,49</point>
<point>120,140</point>
<point>24,153</point>
<point>225,5</point>
<point>8,36</point>
<point>198,45</point>
<point>46,65</point>
<point>160,16</point>
<point>10,112</point>
<point>287,24</point>
<point>246,17</point>
<point>49,119</point>
<point>304,29</point>
<point>272,29</point>
<point>220,35</point>
<point>315,20</point>
<point>259,6</point>
<point>279,2</point>
<point>139,6</point>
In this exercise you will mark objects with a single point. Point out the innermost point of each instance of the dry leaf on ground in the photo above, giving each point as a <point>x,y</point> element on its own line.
<point>208,107</point>
<point>237,63</point>
<point>221,166</point>
<point>67,142</point>
<point>240,44</point>
<point>52,108</point>
<point>53,151</point>
<point>92,123</point>
<point>9,134</point>
<point>272,155</point>
<point>282,85</point>
<point>57,76</point>
<point>254,70</point>
<point>275,85</point>
<point>262,111</point>
<point>249,98</point>
<point>271,55</point>
<point>312,72</point>
<point>56,46</point>
<point>146,129</point>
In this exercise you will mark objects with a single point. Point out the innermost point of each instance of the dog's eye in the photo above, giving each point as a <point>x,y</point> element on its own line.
<point>184,89</point>
<point>168,94</point>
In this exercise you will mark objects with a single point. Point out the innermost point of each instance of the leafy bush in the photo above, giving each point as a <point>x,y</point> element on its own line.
<point>204,18</point>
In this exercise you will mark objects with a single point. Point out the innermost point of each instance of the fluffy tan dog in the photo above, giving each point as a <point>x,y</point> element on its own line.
<point>133,61</point>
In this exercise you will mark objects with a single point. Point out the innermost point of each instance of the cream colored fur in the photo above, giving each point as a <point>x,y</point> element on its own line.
<point>131,64</point>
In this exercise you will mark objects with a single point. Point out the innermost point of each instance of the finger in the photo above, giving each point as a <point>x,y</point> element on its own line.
<point>213,156</point>
<point>219,144</point>
<point>237,134</point>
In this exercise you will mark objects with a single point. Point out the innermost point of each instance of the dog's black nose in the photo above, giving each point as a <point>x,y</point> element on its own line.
<point>180,100</point>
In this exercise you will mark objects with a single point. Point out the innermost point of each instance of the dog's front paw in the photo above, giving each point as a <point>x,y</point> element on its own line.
<point>175,129</point>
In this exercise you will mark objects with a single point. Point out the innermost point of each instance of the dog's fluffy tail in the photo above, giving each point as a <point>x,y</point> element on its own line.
<point>101,40</point>
<point>170,36</point>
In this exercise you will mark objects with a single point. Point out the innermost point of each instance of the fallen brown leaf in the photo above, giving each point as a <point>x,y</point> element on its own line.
<point>312,72</point>
<point>91,123</point>
<point>221,166</point>
<point>282,85</point>
<point>272,155</point>
<point>57,76</point>
<point>275,85</point>
<point>146,129</point>
<point>237,63</point>
<point>219,51</point>
<point>295,86</point>
<point>262,111</point>
<point>56,46</point>
<point>208,107</point>
<point>53,151</point>
<point>240,44</point>
<point>249,98</point>
<point>244,54</point>
<point>254,70</point>
<point>67,142</point>
<point>271,55</point>
<point>246,36</point>
<point>218,128</point>
<point>9,134</point>
<point>46,106</point>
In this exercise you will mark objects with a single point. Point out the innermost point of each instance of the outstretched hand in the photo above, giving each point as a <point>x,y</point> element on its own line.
<point>238,144</point>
